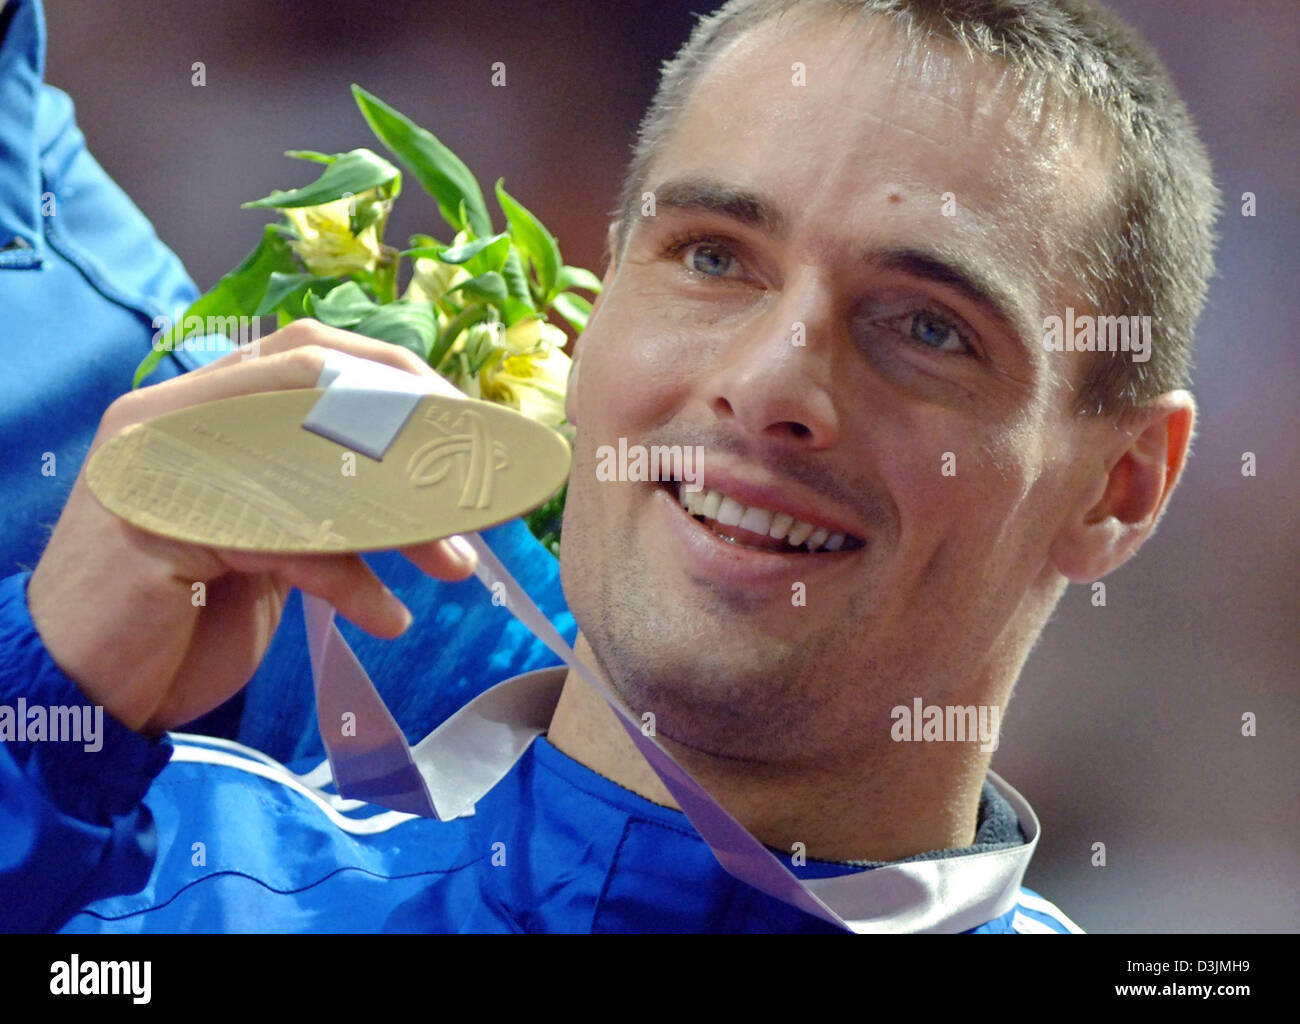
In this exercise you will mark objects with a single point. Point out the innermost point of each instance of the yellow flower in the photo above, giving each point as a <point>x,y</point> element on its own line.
<point>430,278</point>
<point>532,380</point>
<point>532,334</point>
<point>325,240</point>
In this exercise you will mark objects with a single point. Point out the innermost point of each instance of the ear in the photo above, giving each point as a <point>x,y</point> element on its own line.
<point>1135,480</point>
<point>611,270</point>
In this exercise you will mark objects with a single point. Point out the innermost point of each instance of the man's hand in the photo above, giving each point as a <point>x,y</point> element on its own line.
<point>113,603</point>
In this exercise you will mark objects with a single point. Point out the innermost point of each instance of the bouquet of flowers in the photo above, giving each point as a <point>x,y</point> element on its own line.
<point>475,309</point>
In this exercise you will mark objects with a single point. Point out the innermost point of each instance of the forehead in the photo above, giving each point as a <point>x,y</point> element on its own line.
<point>860,140</point>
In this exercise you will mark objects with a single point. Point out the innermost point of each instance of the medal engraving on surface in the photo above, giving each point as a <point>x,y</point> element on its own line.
<point>180,489</point>
<point>465,439</point>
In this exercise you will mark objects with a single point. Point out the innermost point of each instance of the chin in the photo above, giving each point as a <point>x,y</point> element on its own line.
<point>717,667</point>
<point>738,700</point>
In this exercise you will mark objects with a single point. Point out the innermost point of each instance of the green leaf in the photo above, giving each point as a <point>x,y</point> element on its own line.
<point>344,306</point>
<point>350,174</point>
<point>490,286</point>
<point>520,303</point>
<point>491,257</point>
<point>513,310</point>
<point>278,288</point>
<point>465,318</point>
<point>409,324</point>
<point>466,252</point>
<point>425,252</point>
<point>477,257</point>
<point>313,155</point>
<point>238,293</point>
<point>574,308</point>
<point>577,277</point>
<point>441,172</point>
<point>286,292</point>
<point>534,241</point>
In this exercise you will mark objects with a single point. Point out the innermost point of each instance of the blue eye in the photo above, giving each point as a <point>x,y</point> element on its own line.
<point>936,332</point>
<point>711,260</point>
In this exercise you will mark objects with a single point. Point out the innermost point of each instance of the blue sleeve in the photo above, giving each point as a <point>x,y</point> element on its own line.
<point>459,645</point>
<point>79,304</point>
<point>73,828</point>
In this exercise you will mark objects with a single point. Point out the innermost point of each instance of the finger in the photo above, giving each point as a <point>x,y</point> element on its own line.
<point>312,332</point>
<point>298,367</point>
<point>345,581</point>
<point>450,559</point>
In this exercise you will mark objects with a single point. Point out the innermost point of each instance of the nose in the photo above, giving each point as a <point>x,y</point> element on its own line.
<point>775,377</point>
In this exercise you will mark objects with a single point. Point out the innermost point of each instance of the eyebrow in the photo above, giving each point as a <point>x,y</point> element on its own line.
<point>706,195</point>
<point>945,267</point>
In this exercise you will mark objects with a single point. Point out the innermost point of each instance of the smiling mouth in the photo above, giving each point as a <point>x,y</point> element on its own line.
<point>750,526</point>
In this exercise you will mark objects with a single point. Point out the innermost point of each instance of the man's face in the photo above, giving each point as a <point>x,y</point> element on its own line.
<point>813,343</point>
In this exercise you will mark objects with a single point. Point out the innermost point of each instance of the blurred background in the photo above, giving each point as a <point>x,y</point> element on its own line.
<point>1126,726</point>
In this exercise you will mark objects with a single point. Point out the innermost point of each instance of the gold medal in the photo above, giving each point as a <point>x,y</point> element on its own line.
<point>244,473</point>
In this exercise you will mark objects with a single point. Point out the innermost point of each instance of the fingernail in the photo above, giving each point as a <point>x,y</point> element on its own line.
<point>463,550</point>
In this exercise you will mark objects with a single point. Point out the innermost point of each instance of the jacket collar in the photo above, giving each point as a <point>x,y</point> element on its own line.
<point>475,748</point>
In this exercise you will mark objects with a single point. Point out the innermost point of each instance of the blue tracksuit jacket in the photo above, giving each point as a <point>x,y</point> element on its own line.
<point>193,834</point>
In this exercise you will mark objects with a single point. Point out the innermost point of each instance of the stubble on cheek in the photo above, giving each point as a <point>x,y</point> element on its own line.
<point>715,679</point>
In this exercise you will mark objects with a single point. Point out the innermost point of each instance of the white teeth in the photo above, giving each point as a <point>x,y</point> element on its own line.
<point>729,512</point>
<point>781,523</point>
<point>756,520</point>
<point>798,533</point>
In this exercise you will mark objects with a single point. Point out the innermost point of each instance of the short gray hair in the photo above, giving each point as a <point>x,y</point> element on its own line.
<point>1153,250</point>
